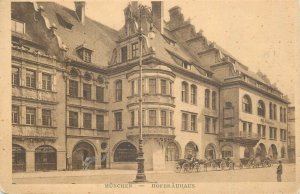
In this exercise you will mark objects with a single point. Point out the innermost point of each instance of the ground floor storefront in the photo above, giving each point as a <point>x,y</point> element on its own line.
<point>159,153</point>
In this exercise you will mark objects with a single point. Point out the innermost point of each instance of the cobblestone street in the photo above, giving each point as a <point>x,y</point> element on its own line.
<point>124,176</point>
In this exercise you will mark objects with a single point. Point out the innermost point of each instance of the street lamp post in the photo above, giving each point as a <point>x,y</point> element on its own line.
<point>140,176</point>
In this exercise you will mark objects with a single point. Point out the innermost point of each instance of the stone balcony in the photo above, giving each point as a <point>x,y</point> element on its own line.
<point>32,93</point>
<point>38,132</point>
<point>243,138</point>
<point>152,131</point>
<point>155,98</point>
<point>80,132</point>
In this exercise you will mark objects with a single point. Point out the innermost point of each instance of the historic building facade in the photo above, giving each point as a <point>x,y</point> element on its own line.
<point>76,93</point>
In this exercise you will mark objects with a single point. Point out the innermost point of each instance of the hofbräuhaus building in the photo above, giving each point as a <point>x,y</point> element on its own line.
<point>76,93</point>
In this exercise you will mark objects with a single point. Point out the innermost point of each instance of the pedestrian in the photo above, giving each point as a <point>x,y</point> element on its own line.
<point>279,171</point>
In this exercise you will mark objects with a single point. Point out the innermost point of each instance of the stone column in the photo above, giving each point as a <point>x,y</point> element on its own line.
<point>61,160</point>
<point>30,161</point>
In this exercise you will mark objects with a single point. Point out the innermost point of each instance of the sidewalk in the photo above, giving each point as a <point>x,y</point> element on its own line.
<point>81,173</point>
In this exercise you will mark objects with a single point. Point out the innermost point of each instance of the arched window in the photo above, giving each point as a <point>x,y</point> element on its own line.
<point>207,98</point>
<point>210,152</point>
<point>172,152</point>
<point>191,150</point>
<point>281,114</point>
<point>45,158</point>
<point>227,151</point>
<point>18,158</point>
<point>247,106</point>
<point>214,100</point>
<point>125,152</point>
<point>81,152</point>
<point>261,108</point>
<point>100,79</point>
<point>184,92</point>
<point>119,90</point>
<point>193,94</point>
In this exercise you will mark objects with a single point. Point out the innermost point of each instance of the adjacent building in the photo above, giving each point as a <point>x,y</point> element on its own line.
<point>76,93</point>
<point>291,134</point>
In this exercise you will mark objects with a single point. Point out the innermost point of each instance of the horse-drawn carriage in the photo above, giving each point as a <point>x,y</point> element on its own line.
<point>188,165</point>
<point>256,162</point>
<point>193,164</point>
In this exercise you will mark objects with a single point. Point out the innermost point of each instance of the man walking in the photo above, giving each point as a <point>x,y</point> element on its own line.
<point>279,171</point>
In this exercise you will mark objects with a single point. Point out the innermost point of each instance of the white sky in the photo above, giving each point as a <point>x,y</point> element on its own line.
<point>261,34</point>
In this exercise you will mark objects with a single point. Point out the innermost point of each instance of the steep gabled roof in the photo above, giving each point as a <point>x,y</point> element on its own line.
<point>96,36</point>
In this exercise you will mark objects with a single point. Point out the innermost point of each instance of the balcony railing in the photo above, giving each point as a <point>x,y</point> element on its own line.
<point>243,138</point>
<point>34,132</point>
<point>152,131</point>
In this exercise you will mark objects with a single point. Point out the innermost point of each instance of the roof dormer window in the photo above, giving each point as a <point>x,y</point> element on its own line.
<point>185,65</point>
<point>18,26</point>
<point>85,53</point>
<point>63,21</point>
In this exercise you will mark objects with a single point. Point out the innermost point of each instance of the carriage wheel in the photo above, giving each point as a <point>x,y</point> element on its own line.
<point>269,164</point>
<point>214,165</point>
<point>264,164</point>
<point>185,167</point>
<point>177,168</point>
<point>223,165</point>
<point>197,167</point>
<point>249,164</point>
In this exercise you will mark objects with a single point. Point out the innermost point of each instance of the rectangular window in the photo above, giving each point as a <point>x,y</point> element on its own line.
<point>30,116</point>
<point>132,118</point>
<point>124,54</point>
<point>118,121</point>
<point>184,121</point>
<point>193,122</point>
<point>163,118</point>
<point>87,120</point>
<point>214,100</point>
<point>100,122</point>
<point>46,117</point>
<point>163,86</point>
<point>250,129</point>
<point>17,26</point>
<point>73,88</point>
<point>86,55</point>
<point>87,91</point>
<point>30,79</point>
<point>73,119</point>
<point>100,94</point>
<point>15,76</point>
<point>193,94</point>
<point>119,91</point>
<point>207,101</point>
<point>263,131</point>
<point>135,50</point>
<point>207,125</point>
<point>171,118</point>
<point>152,86</point>
<point>244,128</point>
<point>171,88</point>
<point>275,133</point>
<point>15,114</point>
<point>143,117</point>
<point>152,117</point>
<point>259,132</point>
<point>46,82</point>
<point>214,125</point>
<point>132,87</point>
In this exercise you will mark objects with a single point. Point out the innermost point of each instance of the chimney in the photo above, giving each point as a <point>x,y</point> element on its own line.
<point>80,10</point>
<point>158,15</point>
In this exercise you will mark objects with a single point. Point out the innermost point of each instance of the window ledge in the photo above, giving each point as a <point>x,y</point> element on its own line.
<point>190,131</point>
